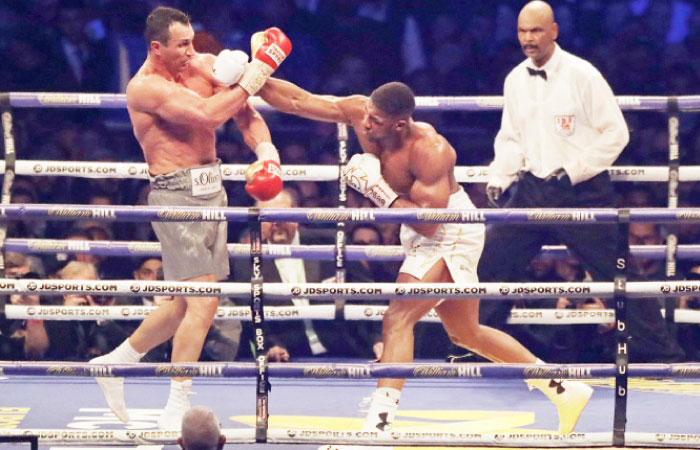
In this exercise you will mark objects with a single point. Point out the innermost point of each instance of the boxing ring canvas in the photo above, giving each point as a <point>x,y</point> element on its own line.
<point>441,406</point>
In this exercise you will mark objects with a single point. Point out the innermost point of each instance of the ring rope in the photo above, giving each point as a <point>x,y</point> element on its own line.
<point>399,436</point>
<point>552,216</point>
<point>685,103</point>
<point>133,170</point>
<point>351,291</point>
<point>518,316</point>
<point>307,252</point>
<point>369,370</point>
<point>236,172</point>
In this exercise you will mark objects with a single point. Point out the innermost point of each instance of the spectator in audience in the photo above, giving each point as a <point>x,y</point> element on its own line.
<point>25,228</point>
<point>21,339</point>
<point>82,50</point>
<point>689,333</point>
<point>292,339</point>
<point>650,338</point>
<point>77,340</point>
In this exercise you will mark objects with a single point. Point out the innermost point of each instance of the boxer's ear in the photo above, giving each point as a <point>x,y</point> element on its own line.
<point>401,125</point>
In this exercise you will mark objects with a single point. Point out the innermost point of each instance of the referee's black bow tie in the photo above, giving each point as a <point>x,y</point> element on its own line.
<point>535,72</point>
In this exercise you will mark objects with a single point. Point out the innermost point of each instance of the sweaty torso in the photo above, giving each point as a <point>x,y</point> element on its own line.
<point>167,146</point>
<point>399,164</point>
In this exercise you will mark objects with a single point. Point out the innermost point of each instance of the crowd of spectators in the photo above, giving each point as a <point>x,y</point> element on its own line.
<point>441,47</point>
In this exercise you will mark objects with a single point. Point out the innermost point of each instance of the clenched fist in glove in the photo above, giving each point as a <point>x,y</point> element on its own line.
<point>364,174</point>
<point>269,48</point>
<point>264,176</point>
<point>229,66</point>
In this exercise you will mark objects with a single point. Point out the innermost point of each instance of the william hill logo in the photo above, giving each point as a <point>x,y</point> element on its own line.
<point>179,215</point>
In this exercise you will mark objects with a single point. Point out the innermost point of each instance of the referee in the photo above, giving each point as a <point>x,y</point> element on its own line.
<point>561,129</point>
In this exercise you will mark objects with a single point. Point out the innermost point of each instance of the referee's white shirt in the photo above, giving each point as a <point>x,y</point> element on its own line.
<point>571,120</point>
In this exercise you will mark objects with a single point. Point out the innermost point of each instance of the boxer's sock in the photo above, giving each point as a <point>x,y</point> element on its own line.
<point>177,406</point>
<point>113,388</point>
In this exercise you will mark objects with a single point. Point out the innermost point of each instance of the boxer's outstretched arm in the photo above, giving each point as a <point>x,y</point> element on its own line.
<point>179,105</point>
<point>431,165</point>
<point>292,99</point>
<point>252,126</point>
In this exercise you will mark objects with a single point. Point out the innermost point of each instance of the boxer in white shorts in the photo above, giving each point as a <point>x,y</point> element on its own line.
<point>458,244</point>
<point>407,164</point>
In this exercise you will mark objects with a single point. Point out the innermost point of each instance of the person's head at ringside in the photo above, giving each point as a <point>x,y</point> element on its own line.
<point>537,31</point>
<point>388,115</point>
<point>79,270</point>
<point>169,35</point>
<point>201,430</point>
<point>280,233</point>
<point>149,269</point>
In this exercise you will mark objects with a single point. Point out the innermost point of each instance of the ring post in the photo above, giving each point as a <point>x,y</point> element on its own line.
<point>32,439</point>
<point>622,356</point>
<point>258,318</point>
<point>340,234</point>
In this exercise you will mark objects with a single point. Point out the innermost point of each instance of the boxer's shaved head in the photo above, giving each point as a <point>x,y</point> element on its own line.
<point>159,21</point>
<point>394,99</point>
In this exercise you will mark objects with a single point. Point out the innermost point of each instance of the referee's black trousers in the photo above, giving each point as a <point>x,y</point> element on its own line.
<point>510,248</point>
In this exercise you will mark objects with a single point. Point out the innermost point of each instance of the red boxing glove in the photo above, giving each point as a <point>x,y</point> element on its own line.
<point>269,48</point>
<point>264,180</point>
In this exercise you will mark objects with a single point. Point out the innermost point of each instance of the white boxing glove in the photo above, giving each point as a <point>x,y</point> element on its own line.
<point>364,174</point>
<point>229,66</point>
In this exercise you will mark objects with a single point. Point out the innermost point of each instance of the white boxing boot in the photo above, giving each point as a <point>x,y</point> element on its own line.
<point>382,409</point>
<point>570,398</point>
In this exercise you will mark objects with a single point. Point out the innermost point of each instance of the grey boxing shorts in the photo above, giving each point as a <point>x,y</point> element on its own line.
<point>191,249</point>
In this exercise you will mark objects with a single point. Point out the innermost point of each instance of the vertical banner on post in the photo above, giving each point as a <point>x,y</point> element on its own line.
<point>340,233</point>
<point>622,351</point>
<point>673,182</point>
<point>257,316</point>
<point>9,175</point>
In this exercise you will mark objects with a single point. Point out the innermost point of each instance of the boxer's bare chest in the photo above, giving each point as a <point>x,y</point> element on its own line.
<point>395,164</point>
<point>396,169</point>
<point>198,84</point>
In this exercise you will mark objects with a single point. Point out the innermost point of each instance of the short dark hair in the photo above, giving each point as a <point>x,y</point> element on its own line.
<point>158,23</point>
<point>394,99</point>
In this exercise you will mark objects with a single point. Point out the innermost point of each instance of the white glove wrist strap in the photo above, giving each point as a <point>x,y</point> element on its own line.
<point>266,151</point>
<point>381,194</point>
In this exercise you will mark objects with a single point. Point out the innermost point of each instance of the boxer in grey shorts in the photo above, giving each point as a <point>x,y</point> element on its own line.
<point>177,101</point>
<point>190,249</point>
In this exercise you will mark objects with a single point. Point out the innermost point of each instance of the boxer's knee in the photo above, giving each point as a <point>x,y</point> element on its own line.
<point>202,309</point>
<point>400,319</point>
<point>468,336</point>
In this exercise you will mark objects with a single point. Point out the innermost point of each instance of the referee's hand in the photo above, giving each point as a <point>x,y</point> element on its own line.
<point>493,193</point>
